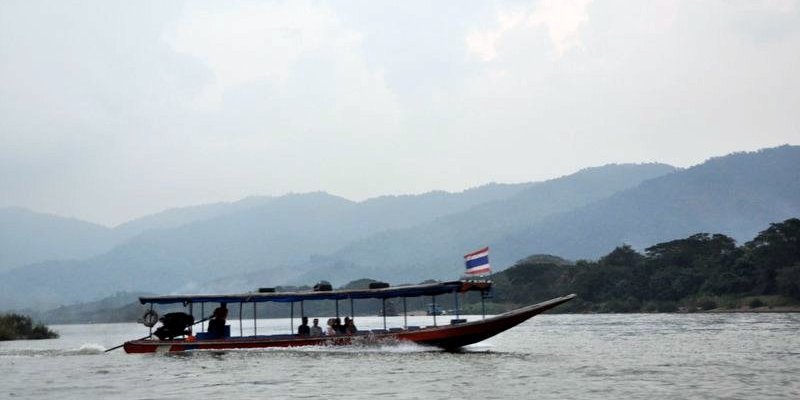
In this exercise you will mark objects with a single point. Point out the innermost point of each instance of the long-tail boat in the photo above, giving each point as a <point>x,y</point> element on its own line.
<point>458,333</point>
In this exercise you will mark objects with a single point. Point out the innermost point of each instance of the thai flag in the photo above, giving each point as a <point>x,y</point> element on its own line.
<point>478,262</point>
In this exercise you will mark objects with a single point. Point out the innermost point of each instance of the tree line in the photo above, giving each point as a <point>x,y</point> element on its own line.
<point>701,272</point>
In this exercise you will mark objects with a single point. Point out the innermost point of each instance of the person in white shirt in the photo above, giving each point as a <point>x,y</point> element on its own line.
<point>316,330</point>
<point>331,328</point>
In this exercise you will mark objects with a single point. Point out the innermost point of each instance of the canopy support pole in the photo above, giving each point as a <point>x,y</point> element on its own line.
<point>203,314</point>
<point>255,324</point>
<point>191,312</point>
<point>384,312</point>
<point>302,309</point>
<point>405,315</point>
<point>483,305</point>
<point>291,319</point>
<point>241,330</point>
<point>433,310</point>
<point>455,294</point>
<point>352,313</point>
<point>151,328</point>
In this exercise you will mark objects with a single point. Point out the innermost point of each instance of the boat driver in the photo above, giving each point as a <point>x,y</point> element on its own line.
<point>216,326</point>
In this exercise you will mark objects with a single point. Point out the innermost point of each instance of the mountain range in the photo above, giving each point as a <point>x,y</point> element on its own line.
<point>736,195</point>
<point>47,261</point>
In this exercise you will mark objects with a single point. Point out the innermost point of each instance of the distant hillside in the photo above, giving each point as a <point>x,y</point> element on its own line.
<point>697,273</point>
<point>27,237</point>
<point>121,307</point>
<point>434,249</point>
<point>302,238</point>
<point>227,239</point>
<point>175,217</point>
<point>397,212</point>
<point>735,195</point>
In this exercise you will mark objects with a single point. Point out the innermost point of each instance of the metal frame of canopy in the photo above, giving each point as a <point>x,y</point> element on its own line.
<point>430,289</point>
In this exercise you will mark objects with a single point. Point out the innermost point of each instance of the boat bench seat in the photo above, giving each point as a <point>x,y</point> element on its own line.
<point>284,336</point>
<point>412,327</point>
<point>379,331</point>
<point>395,329</point>
<point>206,336</point>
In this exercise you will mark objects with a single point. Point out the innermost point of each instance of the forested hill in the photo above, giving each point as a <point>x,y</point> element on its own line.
<point>432,250</point>
<point>300,239</point>
<point>700,272</point>
<point>736,195</point>
<point>27,237</point>
<point>276,240</point>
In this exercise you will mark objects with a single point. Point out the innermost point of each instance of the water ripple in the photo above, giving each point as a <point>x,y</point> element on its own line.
<point>641,356</point>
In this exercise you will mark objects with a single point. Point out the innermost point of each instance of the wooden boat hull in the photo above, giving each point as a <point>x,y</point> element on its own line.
<point>449,337</point>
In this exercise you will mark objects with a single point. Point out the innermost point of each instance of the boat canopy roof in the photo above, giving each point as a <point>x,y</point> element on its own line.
<point>428,289</point>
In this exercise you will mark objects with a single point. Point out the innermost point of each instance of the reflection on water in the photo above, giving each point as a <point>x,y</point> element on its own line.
<point>550,356</point>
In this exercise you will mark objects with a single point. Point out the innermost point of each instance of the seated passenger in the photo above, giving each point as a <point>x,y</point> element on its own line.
<point>337,325</point>
<point>303,329</point>
<point>316,330</point>
<point>350,326</point>
<point>345,324</point>
<point>331,329</point>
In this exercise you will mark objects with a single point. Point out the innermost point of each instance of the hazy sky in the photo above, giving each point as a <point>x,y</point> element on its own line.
<point>109,111</point>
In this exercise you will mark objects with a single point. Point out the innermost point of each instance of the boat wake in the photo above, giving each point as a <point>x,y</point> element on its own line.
<point>391,347</point>
<point>83,350</point>
<point>383,346</point>
<point>89,348</point>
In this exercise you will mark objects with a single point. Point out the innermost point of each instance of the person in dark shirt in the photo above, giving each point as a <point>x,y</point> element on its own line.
<point>303,329</point>
<point>216,326</point>
<point>337,325</point>
<point>350,326</point>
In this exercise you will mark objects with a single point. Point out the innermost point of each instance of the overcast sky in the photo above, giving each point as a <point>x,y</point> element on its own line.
<point>109,111</point>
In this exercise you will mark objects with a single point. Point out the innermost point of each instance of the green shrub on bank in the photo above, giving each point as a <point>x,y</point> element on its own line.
<point>755,303</point>
<point>706,303</point>
<point>21,327</point>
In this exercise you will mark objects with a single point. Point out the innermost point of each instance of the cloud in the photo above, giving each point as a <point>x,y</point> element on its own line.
<point>561,19</point>
<point>110,111</point>
<point>484,44</point>
<point>249,41</point>
<point>275,64</point>
<point>104,104</point>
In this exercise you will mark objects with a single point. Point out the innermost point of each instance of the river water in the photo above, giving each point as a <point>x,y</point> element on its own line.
<point>631,356</point>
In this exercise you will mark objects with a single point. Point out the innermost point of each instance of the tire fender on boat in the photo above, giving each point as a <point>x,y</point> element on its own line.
<point>150,318</point>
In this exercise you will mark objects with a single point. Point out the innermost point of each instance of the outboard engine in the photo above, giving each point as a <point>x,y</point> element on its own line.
<point>173,325</point>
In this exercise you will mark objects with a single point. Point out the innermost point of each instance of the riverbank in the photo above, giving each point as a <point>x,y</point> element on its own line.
<point>792,309</point>
<point>700,304</point>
